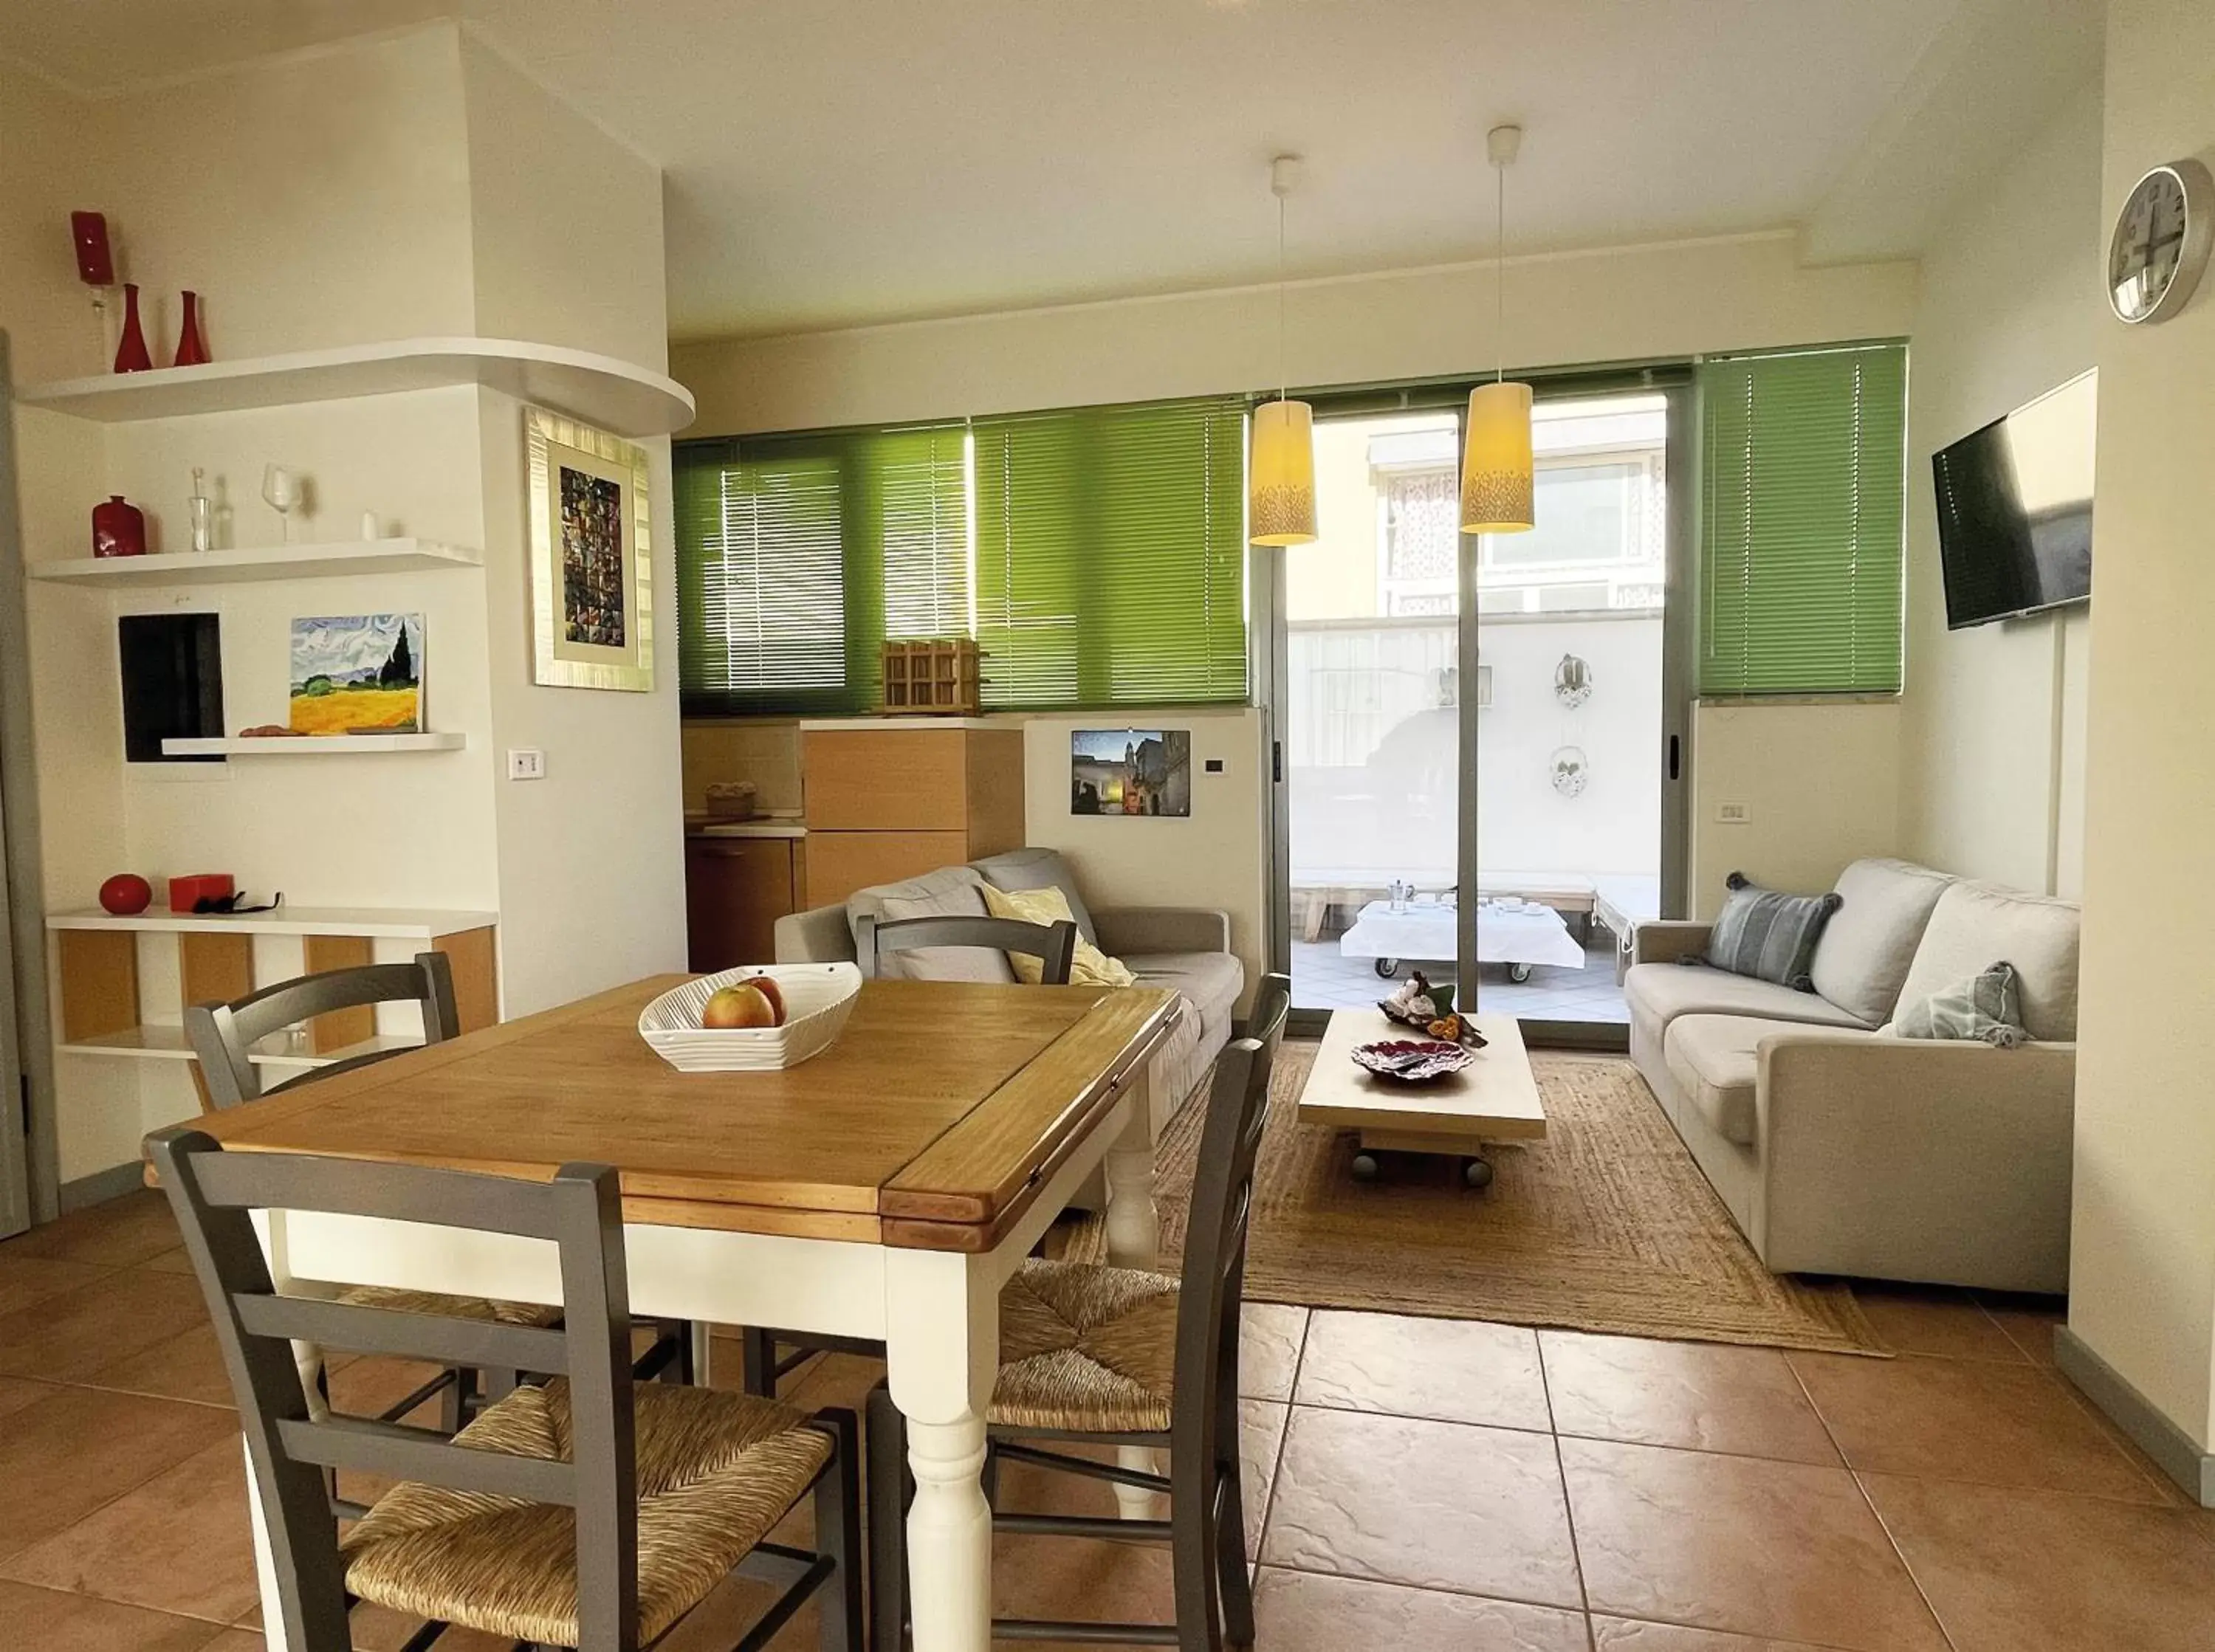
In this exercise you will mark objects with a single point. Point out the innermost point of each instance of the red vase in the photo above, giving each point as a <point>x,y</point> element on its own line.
<point>118,528</point>
<point>131,353</point>
<point>192,346</point>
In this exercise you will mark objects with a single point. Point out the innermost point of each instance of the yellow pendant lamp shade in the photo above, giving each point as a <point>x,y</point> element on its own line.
<point>1280,505</point>
<point>1496,479</point>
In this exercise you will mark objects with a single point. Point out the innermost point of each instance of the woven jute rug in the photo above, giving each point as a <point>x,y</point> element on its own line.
<point>1606,1226</point>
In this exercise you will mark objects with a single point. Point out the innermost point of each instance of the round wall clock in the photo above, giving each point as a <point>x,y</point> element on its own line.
<point>2161,242</point>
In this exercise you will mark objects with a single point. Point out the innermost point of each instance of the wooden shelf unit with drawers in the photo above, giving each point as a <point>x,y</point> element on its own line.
<point>899,797</point>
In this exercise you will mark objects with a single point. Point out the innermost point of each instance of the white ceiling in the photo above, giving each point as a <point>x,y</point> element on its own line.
<point>840,161</point>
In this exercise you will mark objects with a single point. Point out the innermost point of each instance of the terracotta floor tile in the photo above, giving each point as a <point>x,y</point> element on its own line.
<point>189,1367</point>
<point>180,1543</point>
<point>1270,1335</point>
<point>731,1608</point>
<point>1966,1420</point>
<point>1448,1370</point>
<point>378,1628</point>
<point>2029,1321</point>
<point>26,1279</point>
<point>239,1640</point>
<point>1929,1320</point>
<point>115,1316</point>
<point>39,1620</point>
<point>1741,1543</point>
<point>1625,1635</point>
<point>365,1386</point>
<point>169,1262</point>
<point>2021,1571</point>
<point>1261,1425</point>
<point>16,1393</point>
<point>1439,1505</point>
<point>116,1235</point>
<point>1072,1578</point>
<point>1698,1395</point>
<point>841,1379</point>
<point>63,1457</point>
<point>1306,1611</point>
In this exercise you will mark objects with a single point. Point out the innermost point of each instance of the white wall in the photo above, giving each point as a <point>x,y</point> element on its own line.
<point>1819,783</point>
<point>2143,1252</point>
<point>1216,858</point>
<point>1993,786</point>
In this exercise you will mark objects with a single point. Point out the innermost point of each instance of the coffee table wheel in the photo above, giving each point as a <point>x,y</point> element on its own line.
<point>1477,1173</point>
<point>1365,1167</point>
<point>1518,973</point>
<point>1388,967</point>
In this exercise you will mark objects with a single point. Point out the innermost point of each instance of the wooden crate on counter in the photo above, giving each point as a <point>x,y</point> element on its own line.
<point>938,675</point>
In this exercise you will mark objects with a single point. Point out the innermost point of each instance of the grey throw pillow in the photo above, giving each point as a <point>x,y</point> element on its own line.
<point>1988,1006</point>
<point>1769,936</point>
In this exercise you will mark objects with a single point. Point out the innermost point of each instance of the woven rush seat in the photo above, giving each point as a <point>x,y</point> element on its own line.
<point>1086,1350</point>
<point>716,1471</point>
<point>451,1307</point>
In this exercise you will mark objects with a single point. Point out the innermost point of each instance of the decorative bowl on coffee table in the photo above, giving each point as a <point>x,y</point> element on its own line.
<point>1412,1061</point>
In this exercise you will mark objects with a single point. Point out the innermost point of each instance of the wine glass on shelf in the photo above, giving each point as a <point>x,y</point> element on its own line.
<point>280,490</point>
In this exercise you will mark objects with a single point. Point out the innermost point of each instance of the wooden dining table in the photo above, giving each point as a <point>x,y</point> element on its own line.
<point>885,1190</point>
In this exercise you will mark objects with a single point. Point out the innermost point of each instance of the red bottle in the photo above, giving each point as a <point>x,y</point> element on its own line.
<point>118,528</point>
<point>131,352</point>
<point>192,346</point>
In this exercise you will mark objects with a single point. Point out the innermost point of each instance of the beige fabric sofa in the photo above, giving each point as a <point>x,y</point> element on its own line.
<point>1187,950</point>
<point>1842,1149</point>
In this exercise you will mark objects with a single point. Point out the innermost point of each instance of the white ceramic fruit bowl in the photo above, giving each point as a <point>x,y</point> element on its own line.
<point>818,998</point>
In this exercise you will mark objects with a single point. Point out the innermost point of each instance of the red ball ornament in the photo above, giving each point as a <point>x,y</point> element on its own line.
<point>126,893</point>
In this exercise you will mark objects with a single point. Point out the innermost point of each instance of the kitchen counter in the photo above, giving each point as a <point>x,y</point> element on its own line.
<point>759,826</point>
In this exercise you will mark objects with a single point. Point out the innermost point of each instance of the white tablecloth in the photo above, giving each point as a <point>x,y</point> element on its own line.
<point>1531,934</point>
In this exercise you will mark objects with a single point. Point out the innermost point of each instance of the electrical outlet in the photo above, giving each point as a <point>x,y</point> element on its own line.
<point>1733,814</point>
<point>526,764</point>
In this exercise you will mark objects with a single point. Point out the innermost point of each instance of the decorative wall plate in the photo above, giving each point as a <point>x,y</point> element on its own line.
<point>1573,682</point>
<point>1570,770</point>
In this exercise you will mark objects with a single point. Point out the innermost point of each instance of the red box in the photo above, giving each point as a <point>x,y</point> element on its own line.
<point>188,891</point>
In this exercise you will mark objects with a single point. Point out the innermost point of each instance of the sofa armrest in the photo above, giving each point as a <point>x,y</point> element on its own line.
<point>819,935</point>
<point>1936,1160</point>
<point>1135,931</point>
<point>1664,941</point>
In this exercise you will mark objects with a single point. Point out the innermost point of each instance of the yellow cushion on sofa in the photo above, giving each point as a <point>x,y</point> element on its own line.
<point>1090,968</point>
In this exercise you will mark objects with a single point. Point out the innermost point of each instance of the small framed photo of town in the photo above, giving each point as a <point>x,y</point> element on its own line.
<point>590,573</point>
<point>1131,771</point>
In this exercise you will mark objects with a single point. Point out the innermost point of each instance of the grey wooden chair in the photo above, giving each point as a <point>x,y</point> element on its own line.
<point>771,1355</point>
<point>1096,1355</point>
<point>588,1513</point>
<point>1055,945</point>
<point>223,1037</point>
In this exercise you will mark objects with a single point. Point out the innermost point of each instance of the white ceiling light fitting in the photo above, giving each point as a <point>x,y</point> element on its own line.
<point>1280,468</point>
<point>1497,477</point>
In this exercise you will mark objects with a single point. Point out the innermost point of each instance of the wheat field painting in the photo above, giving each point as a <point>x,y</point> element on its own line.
<point>358,674</point>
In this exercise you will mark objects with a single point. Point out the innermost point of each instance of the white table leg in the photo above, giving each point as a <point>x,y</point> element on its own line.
<point>1134,1241</point>
<point>942,1346</point>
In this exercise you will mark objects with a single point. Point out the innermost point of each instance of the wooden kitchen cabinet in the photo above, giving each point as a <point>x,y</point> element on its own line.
<point>735,889</point>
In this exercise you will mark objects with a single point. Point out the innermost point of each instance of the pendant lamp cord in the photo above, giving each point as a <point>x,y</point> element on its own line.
<point>1499,277</point>
<point>1283,382</point>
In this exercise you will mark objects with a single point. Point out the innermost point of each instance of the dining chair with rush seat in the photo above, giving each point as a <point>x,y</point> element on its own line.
<point>224,1036</point>
<point>1093,1355</point>
<point>769,1354</point>
<point>588,1513</point>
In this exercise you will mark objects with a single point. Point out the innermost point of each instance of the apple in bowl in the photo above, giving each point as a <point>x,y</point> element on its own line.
<point>744,1003</point>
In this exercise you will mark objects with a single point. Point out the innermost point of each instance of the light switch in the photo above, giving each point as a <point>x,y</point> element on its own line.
<point>526,764</point>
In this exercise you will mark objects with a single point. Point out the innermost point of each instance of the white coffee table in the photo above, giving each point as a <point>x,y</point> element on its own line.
<point>1494,1098</point>
<point>1517,935</point>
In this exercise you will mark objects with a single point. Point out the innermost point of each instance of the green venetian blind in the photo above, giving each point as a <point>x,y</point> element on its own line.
<point>797,555</point>
<point>1803,510</point>
<point>1110,555</point>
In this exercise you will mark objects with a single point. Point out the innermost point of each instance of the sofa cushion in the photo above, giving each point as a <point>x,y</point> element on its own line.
<point>1021,868</point>
<point>1863,957</point>
<point>1986,1008</point>
<point>1975,925</point>
<point>1716,1059</point>
<point>1046,906</point>
<point>949,892</point>
<point>1210,983</point>
<point>1658,992</point>
<point>1769,936</point>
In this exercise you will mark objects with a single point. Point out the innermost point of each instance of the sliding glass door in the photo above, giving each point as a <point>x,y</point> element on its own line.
<point>1481,740</point>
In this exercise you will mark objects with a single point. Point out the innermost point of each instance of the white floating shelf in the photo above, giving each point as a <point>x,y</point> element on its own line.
<point>310,745</point>
<point>266,562</point>
<point>376,922</point>
<point>159,1042</point>
<point>614,394</point>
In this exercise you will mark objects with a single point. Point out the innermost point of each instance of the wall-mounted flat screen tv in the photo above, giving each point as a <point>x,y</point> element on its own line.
<point>2015,509</point>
